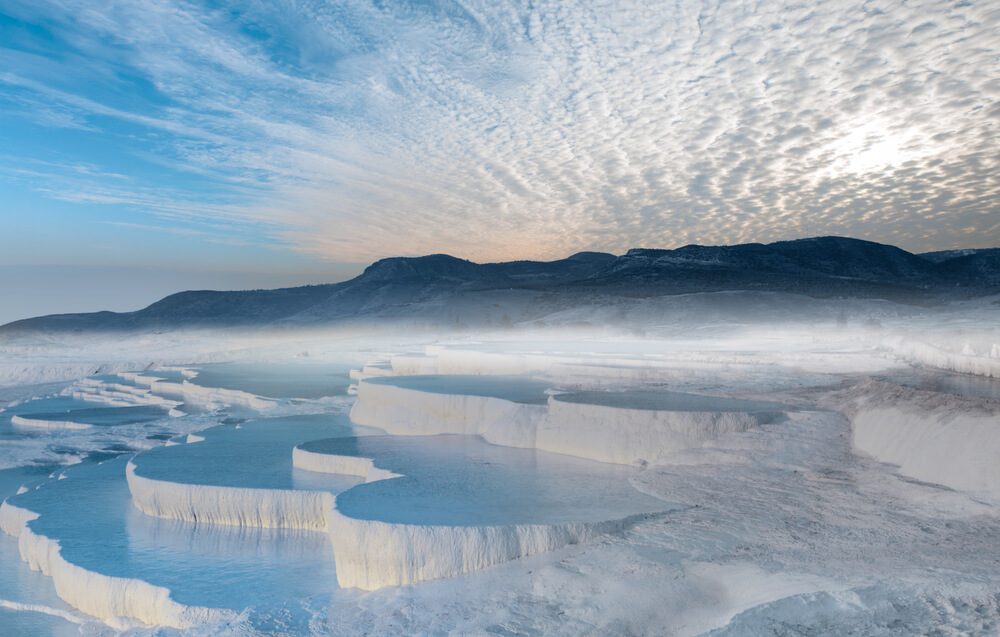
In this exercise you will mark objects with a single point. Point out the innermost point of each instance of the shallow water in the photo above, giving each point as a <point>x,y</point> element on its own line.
<point>28,613</point>
<point>465,481</point>
<point>256,454</point>
<point>114,430</point>
<point>666,401</point>
<point>28,476</point>
<point>28,601</point>
<point>958,384</point>
<point>16,620</point>
<point>288,577</point>
<point>273,572</point>
<point>277,380</point>
<point>102,416</point>
<point>278,573</point>
<point>173,375</point>
<point>518,389</point>
<point>91,515</point>
<point>52,403</point>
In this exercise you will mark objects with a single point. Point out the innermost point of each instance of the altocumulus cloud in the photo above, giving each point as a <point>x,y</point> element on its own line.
<point>495,130</point>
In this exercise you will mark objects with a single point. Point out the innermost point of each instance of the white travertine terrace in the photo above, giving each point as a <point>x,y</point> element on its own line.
<point>405,411</point>
<point>233,506</point>
<point>363,468</point>
<point>118,394</point>
<point>151,390</point>
<point>596,432</point>
<point>102,596</point>
<point>931,436</point>
<point>964,361</point>
<point>632,436</point>
<point>41,423</point>
<point>210,397</point>
<point>372,554</point>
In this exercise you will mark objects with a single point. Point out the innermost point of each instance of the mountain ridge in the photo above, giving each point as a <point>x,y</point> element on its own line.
<point>395,287</point>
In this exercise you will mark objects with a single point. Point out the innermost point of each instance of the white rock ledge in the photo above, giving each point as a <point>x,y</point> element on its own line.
<point>39,423</point>
<point>372,554</point>
<point>342,465</point>
<point>209,397</point>
<point>233,506</point>
<point>964,361</point>
<point>116,394</point>
<point>934,437</point>
<point>369,554</point>
<point>105,597</point>
<point>595,432</point>
<point>405,411</point>
<point>165,393</point>
<point>633,436</point>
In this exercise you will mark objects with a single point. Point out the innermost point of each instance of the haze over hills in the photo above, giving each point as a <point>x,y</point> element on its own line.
<point>443,290</point>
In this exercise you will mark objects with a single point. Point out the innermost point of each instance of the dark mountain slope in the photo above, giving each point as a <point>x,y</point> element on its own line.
<point>189,309</point>
<point>979,268</point>
<point>945,255</point>
<point>441,285</point>
<point>823,256</point>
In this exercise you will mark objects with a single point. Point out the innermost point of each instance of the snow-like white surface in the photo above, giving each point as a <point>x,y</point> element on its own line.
<point>789,524</point>
<point>372,554</point>
<point>16,372</point>
<point>654,360</point>
<point>414,364</point>
<point>170,394</point>
<point>962,359</point>
<point>632,436</point>
<point>948,440</point>
<point>117,394</point>
<point>209,397</point>
<point>592,431</point>
<point>404,411</point>
<point>146,379</point>
<point>374,371</point>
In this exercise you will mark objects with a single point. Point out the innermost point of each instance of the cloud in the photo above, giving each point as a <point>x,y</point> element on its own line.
<point>496,130</point>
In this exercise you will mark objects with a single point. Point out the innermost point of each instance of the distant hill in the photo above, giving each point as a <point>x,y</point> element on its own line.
<point>444,290</point>
<point>976,268</point>
<point>945,255</point>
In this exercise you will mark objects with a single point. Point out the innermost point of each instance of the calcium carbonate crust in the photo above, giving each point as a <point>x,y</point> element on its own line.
<point>594,432</point>
<point>105,597</point>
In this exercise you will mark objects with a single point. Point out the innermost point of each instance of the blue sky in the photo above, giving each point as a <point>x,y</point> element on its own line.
<point>281,142</point>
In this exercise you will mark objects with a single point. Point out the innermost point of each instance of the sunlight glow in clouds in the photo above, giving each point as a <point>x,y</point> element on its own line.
<point>494,130</point>
<point>874,154</point>
<point>872,149</point>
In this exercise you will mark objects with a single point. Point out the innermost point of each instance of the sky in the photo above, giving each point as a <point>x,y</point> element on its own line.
<point>250,144</point>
